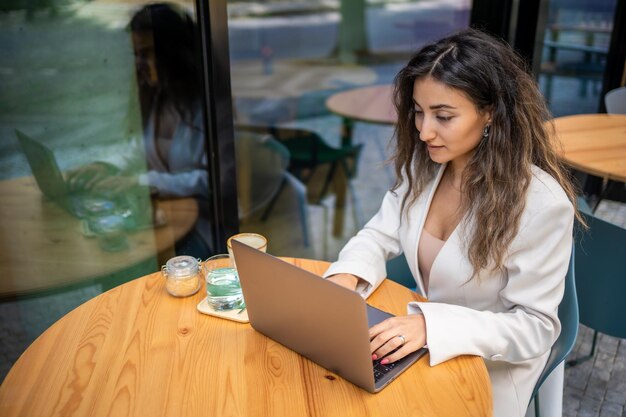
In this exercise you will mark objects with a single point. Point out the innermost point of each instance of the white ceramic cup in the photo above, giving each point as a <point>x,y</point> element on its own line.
<point>254,240</point>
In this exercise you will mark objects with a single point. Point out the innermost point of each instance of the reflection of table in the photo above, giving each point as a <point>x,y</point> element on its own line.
<point>373,104</point>
<point>594,143</point>
<point>43,247</point>
<point>136,351</point>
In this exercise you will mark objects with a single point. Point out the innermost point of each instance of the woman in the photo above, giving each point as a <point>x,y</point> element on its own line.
<point>167,60</point>
<point>482,210</point>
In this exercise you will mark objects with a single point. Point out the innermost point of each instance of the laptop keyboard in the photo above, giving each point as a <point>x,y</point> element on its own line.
<point>381,370</point>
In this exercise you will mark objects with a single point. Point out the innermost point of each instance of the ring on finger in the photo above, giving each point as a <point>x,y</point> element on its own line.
<point>402,338</point>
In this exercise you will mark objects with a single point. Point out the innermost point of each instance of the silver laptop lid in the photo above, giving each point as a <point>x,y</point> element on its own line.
<point>314,317</point>
<point>44,167</point>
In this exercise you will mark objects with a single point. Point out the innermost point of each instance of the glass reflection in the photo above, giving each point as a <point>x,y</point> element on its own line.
<point>576,45</point>
<point>103,172</point>
<point>287,60</point>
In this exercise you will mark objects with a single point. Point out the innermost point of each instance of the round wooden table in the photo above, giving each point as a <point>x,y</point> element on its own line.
<point>594,143</point>
<point>373,104</point>
<point>136,351</point>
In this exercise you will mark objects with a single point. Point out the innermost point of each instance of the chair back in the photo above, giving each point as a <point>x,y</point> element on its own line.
<point>615,101</point>
<point>568,316</point>
<point>601,276</point>
<point>398,271</point>
<point>306,147</point>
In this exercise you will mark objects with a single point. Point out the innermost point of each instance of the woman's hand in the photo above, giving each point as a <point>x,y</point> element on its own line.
<point>385,337</point>
<point>115,185</point>
<point>345,280</point>
<point>84,178</point>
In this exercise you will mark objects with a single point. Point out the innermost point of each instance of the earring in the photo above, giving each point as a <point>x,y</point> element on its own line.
<point>486,132</point>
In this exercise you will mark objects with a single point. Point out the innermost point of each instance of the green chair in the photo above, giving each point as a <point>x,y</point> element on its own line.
<point>601,279</point>
<point>568,316</point>
<point>398,271</point>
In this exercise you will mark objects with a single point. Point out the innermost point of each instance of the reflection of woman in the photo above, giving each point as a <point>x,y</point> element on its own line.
<point>483,212</point>
<point>169,92</point>
<point>164,43</point>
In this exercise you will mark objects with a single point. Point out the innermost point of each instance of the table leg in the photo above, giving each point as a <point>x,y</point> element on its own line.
<point>340,184</point>
<point>607,186</point>
<point>347,126</point>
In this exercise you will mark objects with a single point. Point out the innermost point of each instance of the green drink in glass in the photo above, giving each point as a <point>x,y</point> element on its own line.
<point>222,284</point>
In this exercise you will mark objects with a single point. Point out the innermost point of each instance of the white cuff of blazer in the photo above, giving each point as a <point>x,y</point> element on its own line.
<point>142,179</point>
<point>414,308</point>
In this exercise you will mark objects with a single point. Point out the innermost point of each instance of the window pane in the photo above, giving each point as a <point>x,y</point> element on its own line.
<point>576,45</point>
<point>287,60</point>
<point>103,168</point>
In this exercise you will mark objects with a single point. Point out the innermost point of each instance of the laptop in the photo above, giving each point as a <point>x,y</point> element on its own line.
<point>50,180</point>
<point>318,319</point>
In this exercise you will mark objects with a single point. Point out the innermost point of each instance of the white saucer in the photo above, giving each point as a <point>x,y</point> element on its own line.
<point>234,314</point>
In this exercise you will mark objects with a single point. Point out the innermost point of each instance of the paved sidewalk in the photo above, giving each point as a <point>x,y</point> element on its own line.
<point>596,387</point>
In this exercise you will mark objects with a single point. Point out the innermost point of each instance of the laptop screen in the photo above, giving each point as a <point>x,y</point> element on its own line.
<point>44,167</point>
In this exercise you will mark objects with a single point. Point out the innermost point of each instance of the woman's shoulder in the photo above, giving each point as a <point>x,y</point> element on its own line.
<point>547,210</point>
<point>402,186</point>
<point>544,191</point>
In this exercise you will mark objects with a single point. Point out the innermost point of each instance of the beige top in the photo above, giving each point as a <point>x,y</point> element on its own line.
<point>427,251</point>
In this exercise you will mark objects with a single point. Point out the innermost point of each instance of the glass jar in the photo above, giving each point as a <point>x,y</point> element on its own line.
<point>110,231</point>
<point>182,275</point>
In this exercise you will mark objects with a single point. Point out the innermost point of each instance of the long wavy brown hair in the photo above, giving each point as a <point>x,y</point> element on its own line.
<point>496,179</point>
<point>175,36</point>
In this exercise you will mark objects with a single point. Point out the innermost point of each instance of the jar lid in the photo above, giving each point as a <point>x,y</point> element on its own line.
<point>182,266</point>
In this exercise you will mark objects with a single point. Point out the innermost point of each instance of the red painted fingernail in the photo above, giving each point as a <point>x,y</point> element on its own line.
<point>384,361</point>
<point>374,357</point>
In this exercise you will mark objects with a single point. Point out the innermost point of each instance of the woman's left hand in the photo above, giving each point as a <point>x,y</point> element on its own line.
<point>115,185</point>
<point>407,333</point>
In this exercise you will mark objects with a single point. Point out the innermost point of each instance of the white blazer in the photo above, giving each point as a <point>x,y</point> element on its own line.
<point>508,317</point>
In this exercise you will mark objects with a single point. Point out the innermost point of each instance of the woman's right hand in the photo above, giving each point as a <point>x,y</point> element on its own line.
<point>84,178</point>
<point>348,281</point>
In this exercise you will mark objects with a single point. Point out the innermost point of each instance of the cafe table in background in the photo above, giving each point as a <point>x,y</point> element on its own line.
<point>137,351</point>
<point>371,104</point>
<point>595,144</point>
